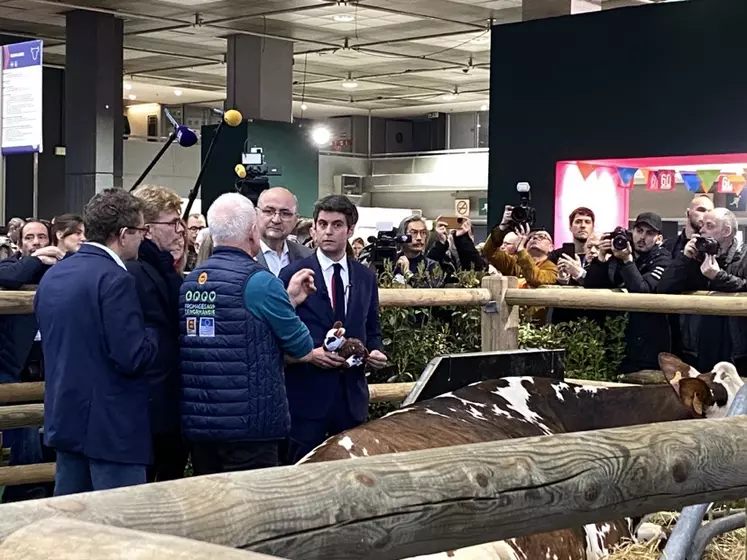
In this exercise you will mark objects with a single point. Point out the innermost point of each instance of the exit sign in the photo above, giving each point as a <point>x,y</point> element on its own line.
<point>482,206</point>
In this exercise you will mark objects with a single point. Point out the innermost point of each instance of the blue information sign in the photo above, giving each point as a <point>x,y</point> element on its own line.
<point>22,98</point>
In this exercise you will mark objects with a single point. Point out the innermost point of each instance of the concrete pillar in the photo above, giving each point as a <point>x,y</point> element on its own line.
<point>540,9</point>
<point>94,122</point>
<point>260,78</point>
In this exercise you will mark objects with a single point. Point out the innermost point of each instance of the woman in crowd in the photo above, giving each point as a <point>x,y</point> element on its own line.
<point>203,246</point>
<point>68,232</point>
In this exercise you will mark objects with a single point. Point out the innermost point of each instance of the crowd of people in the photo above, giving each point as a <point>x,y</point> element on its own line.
<point>706,255</point>
<point>162,339</point>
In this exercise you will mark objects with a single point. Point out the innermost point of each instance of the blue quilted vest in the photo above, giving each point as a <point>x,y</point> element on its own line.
<point>233,388</point>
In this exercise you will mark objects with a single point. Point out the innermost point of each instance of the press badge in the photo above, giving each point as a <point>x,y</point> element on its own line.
<point>207,326</point>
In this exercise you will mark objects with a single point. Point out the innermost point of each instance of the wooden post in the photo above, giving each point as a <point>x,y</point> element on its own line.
<point>68,539</point>
<point>500,322</point>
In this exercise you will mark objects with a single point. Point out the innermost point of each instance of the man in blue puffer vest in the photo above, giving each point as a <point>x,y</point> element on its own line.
<point>237,322</point>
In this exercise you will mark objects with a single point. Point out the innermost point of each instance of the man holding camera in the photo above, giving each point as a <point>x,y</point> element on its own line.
<point>635,261</point>
<point>711,260</point>
<point>532,249</point>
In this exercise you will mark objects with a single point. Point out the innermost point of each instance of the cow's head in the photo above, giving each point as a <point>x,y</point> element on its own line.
<point>707,395</point>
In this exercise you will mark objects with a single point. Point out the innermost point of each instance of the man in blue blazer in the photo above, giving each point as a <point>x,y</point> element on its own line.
<point>96,353</point>
<point>324,397</point>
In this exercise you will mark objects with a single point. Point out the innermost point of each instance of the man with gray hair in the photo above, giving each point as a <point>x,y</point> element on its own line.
<point>277,215</point>
<point>237,323</point>
<point>712,259</point>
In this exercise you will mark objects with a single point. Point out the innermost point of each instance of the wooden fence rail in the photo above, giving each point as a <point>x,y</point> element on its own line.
<point>422,502</point>
<point>68,539</point>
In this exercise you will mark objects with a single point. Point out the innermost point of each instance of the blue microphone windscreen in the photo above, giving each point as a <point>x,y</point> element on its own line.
<point>186,137</point>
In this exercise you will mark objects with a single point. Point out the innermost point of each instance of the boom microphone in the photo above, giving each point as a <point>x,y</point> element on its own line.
<point>232,118</point>
<point>185,136</point>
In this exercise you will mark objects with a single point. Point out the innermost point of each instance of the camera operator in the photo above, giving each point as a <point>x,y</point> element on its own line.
<point>635,261</point>
<point>531,259</point>
<point>412,254</point>
<point>711,260</point>
<point>456,249</point>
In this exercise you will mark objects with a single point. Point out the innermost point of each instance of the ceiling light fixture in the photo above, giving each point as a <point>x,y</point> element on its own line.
<point>344,18</point>
<point>132,97</point>
<point>304,106</point>
<point>349,82</point>
<point>321,136</point>
<point>483,107</point>
<point>177,92</point>
<point>127,86</point>
<point>451,96</point>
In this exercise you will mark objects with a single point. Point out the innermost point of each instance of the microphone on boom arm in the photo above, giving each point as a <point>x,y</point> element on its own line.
<point>183,136</point>
<point>231,118</point>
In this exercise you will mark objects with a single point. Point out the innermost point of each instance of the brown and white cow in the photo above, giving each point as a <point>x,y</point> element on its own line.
<point>516,407</point>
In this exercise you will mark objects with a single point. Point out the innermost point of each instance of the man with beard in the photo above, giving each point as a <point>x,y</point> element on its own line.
<point>695,212</point>
<point>581,222</point>
<point>637,268</point>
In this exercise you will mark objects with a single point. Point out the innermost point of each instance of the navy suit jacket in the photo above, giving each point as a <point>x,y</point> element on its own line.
<point>311,390</point>
<point>96,352</point>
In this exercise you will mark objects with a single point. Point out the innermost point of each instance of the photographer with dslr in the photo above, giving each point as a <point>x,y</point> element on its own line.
<point>532,249</point>
<point>711,260</point>
<point>635,261</point>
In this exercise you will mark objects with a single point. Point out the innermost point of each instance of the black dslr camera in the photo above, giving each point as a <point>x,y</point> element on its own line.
<point>382,248</point>
<point>706,246</point>
<point>523,213</point>
<point>620,237</point>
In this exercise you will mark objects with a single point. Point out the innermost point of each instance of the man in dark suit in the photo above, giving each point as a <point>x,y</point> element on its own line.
<point>325,398</point>
<point>96,353</point>
<point>277,215</point>
<point>158,284</point>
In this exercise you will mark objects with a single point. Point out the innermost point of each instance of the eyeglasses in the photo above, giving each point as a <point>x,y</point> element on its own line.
<point>418,233</point>
<point>177,225</point>
<point>196,229</point>
<point>285,215</point>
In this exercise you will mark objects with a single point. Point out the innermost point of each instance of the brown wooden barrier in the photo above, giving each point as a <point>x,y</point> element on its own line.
<point>421,502</point>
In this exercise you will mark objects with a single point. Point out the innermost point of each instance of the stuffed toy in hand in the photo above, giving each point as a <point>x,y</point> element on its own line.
<point>352,349</point>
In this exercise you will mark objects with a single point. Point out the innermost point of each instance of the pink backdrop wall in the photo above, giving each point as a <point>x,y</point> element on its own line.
<point>600,192</point>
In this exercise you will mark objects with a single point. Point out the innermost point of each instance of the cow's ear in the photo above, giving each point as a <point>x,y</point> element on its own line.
<point>695,395</point>
<point>337,325</point>
<point>675,369</point>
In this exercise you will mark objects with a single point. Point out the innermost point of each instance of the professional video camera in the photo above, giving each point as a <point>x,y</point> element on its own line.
<point>620,237</point>
<point>523,213</point>
<point>253,173</point>
<point>706,246</point>
<point>382,248</point>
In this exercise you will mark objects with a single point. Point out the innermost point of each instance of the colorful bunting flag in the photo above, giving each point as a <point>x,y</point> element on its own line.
<point>667,180</point>
<point>586,169</point>
<point>652,180</point>
<point>691,180</point>
<point>730,184</point>
<point>708,176</point>
<point>626,176</point>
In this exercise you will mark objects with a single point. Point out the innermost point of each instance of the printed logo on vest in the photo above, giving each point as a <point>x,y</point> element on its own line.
<point>191,326</point>
<point>202,278</point>
<point>207,326</point>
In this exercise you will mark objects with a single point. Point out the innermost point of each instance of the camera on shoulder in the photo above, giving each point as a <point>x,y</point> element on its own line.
<point>382,248</point>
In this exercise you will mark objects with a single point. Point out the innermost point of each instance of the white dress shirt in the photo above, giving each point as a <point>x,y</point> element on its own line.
<point>328,270</point>
<point>274,262</point>
<point>111,253</point>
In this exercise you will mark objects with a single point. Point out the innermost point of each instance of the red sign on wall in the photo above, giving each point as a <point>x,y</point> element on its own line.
<point>662,180</point>
<point>730,184</point>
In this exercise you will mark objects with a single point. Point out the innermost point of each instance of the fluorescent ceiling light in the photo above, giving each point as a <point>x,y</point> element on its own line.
<point>344,18</point>
<point>448,97</point>
<point>349,83</point>
<point>177,92</point>
<point>483,107</point>
<point>304,106</point>
<point>127,86</point>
